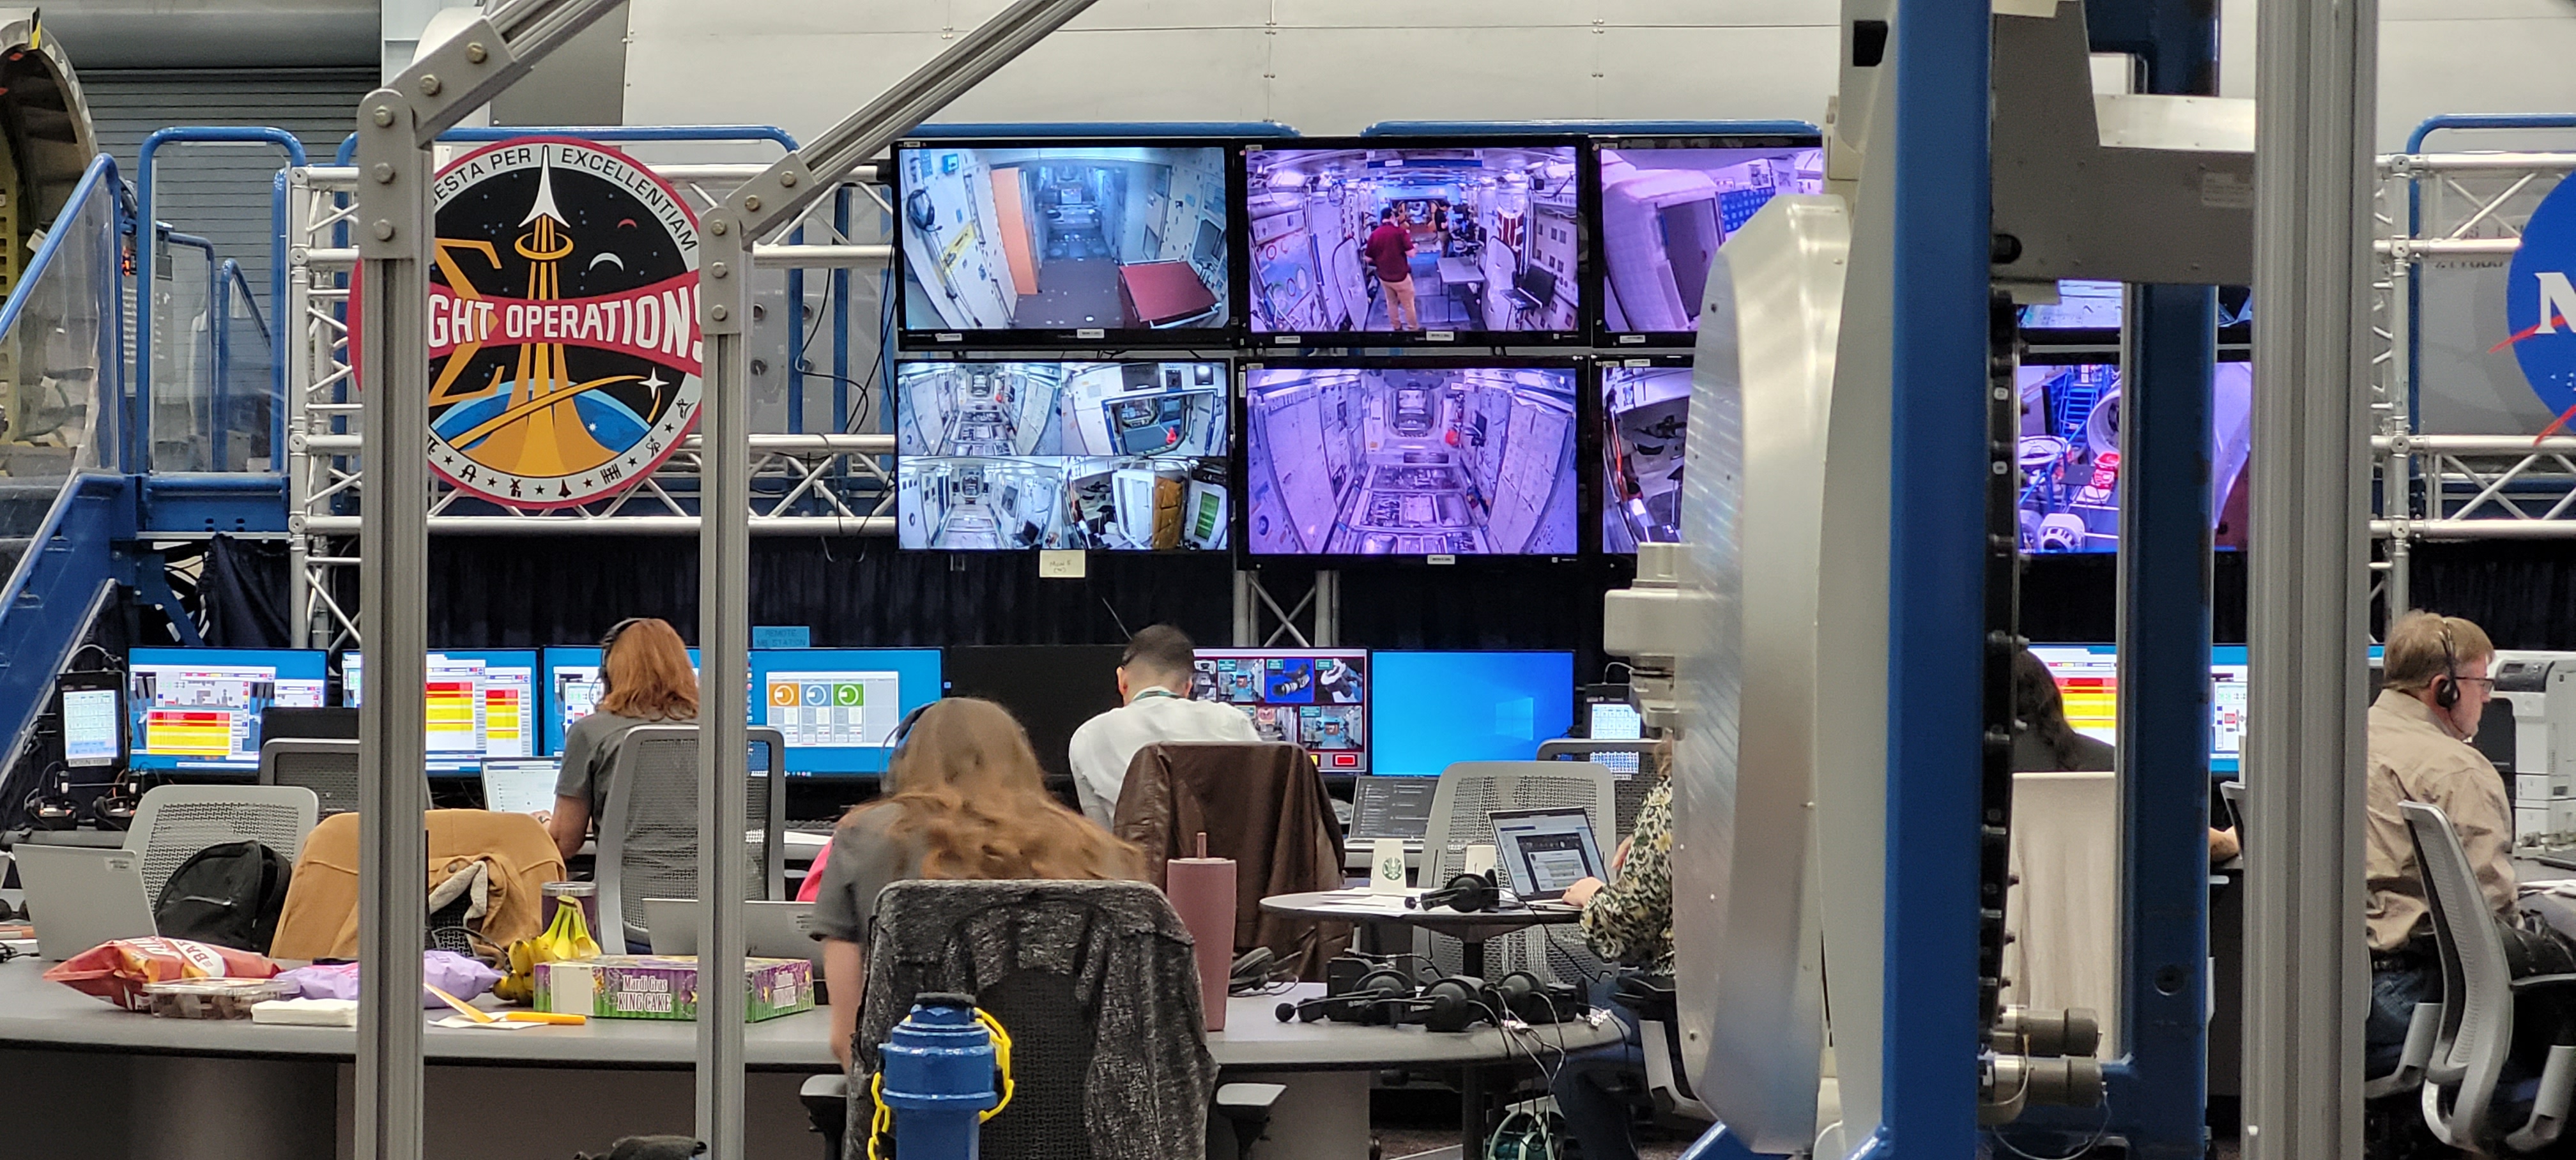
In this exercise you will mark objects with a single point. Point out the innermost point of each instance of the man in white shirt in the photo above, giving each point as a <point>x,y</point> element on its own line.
<point>1154,679</point>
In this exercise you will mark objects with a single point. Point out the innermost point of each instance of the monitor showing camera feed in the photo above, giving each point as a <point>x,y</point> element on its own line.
<point>2080,305</point>
<point>1317,698</point>
<point>2070,455</point>
<point>198,708</point>
<point>1644,411</point>
<point>1421,240</point>
<point>1411,459</point>
<point>839,707</point>
<point>1435,709</point>
<point>1664,212</point>
<point>1063,239</point>
<point>1119,456</point>
<point>480,704</point>
<point>573,689</point>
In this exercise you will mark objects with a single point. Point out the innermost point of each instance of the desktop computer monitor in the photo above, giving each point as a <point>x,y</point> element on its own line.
<point>1667,204</point>
<point>199,708</point>
<point>2088,682</point>
<point>1052,689</point>
<point>1318,698</point>
<point>572,690</point>
<point>480,702</point>
<point>838,707</point>
<point>1435,709</point>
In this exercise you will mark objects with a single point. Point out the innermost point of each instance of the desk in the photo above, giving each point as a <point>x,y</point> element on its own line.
<point>1470,929</point>
<point>156,1084</point>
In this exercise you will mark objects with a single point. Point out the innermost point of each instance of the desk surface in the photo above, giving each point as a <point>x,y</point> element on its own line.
<point>1475,926</point>
<point>1456,270</point>
<point>38,1014</point>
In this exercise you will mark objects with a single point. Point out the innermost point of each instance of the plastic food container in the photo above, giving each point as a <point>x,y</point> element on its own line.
<point>583,894</point>
<point>213,998</point>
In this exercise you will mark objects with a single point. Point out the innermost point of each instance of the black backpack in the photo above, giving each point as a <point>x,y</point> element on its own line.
<point>228,894</point>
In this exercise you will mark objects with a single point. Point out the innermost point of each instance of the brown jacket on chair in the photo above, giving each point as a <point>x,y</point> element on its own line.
<point>321,918</point>
<point>1263,806</point>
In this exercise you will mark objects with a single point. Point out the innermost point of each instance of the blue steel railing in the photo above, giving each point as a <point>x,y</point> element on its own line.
<point>99,181</point>
<point>144,258</point>
<point>228,278</point>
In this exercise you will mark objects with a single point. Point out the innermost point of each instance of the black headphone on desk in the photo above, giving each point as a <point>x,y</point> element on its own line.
<point>1465,893</point>
<point>2446,692</point>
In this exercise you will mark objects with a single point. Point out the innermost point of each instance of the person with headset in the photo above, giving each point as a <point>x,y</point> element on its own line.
<point>644,679</point>
<point>1154,681</point>
<point>966,800</point>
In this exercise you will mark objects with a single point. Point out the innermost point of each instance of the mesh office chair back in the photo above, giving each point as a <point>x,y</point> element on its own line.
<point>648,831</point>
<point>1625,759</point>
<point>327,766</point>
<point>173,822</point>
<point>1462,815</point>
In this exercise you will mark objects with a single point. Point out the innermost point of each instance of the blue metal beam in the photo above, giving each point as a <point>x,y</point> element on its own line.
<point>1943,204</point>
<point>145,255</point>
<point>195,503</point>
<point>44,609</point>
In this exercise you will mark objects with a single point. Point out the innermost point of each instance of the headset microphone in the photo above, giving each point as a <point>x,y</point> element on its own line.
<point>2447,694</point>
<point>1465,893</point>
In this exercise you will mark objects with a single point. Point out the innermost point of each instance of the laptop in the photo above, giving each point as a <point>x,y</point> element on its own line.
<point>79,898</point>
<point>771,930</point>
<point>1392,807</point>
<point>1544,851</point>
<point>519,785</point>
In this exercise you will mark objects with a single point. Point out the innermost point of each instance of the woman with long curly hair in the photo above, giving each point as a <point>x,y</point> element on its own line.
<point>645,679</point>
<point>966,799</point>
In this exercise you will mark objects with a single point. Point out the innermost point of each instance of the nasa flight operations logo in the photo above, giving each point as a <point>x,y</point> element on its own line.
<point>563,323</point>
<point>2540,304</point>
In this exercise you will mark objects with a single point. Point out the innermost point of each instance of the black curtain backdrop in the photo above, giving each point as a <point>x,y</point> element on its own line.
<point>526,592</point>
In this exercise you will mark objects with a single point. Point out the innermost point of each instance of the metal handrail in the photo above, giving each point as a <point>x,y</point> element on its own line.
<point>100,176</point>
<point>145,258</point>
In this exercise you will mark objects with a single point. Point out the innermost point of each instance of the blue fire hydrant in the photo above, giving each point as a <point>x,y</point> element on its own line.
<point>938,1075</point>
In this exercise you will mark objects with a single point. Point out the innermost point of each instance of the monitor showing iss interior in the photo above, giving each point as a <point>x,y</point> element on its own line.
<point>1664,213</point>
<point>1645,412</point>
<point>1122,456</point>
<point>1410,460</point>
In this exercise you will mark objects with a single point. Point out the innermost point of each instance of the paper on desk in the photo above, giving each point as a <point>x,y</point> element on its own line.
<point>461,1021</point>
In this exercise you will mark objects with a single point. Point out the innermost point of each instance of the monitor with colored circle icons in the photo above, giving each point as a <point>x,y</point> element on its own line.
<point>839,707</point>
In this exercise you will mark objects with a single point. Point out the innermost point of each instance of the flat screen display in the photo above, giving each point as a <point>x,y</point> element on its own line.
<point>1645,412</point>
<point>2070,455</point>
<point>1665,210</point>
<point>839,706</point>
<point>1435,709</point>
<point>573,689</point>
<point>1411,459</point>
<point>1416,241</point>
<point>480,704</point>
<point>2088,683</point>
<point>1318,698</point>
<point>2088,313</point>
<point>1117,456</point>
<point>1051,688</point>
<point>198,708</point>
<point>1042,241</point>
<point>90,728</point>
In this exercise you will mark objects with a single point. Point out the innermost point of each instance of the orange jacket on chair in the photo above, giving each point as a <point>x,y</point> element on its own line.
<point>1263,806</point>
<point>321,919</point>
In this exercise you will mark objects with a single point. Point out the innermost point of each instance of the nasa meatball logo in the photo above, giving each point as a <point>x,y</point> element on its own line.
<point>2540,304</point>
<point>563,323</point>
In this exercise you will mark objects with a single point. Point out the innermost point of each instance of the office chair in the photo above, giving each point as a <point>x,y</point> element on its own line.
<point>1262,805</point>
<point>175,821</point>
<point>1628,793</point>
<point>648,830</point>
<point>1462,815</point>
<point>328,767</point>
<point>2478,999</point>
<point>1656,1007</point>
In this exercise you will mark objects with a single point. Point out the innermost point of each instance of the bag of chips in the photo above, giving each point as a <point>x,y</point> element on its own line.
<point>118,971</point>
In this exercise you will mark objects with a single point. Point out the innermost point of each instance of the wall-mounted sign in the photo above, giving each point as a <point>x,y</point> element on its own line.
<point>563,323</point>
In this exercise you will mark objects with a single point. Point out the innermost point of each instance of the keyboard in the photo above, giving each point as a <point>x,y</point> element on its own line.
<point>812,825</point>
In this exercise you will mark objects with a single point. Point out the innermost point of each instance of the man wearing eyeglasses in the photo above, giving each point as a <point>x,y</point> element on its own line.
<point>2436,689</point>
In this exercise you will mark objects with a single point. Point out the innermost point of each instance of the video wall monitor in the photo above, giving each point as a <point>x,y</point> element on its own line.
<point>2070,453</point>
<point>2088,683</point>
<point>1382,240</point>
<point>481,703</point>
<point>1435,709</point>
<point>1667,204</point>
<point>1116,456</point>
<point>1645,412</point>
<point>573,689</point>
<point>1421,458</point>
<point>839,706</point>
<point>199,708</point>
<point>1043,242</point>
<point>1052,688</point>
<point>1318,698</point>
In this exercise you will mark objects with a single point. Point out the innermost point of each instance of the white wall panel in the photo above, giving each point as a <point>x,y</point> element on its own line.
<point>1731,73</point>
<point>1374,14</point>
<point>1481,74</point>
<point>1735,14</point>
<point>2476,66</point>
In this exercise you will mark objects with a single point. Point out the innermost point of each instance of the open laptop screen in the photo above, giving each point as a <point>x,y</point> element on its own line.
<point>1546,850</point>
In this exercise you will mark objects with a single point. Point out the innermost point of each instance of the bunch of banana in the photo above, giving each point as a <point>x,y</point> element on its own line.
<point>567,937</point>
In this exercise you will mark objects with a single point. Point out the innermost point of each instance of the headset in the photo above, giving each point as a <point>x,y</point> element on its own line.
<point>1533,1000</point>
<point>1465,893</point>
<point>1386,997</point>
<point>608,642</point>
<point>115,809</point>
<point>2447,693</point>
<point>52,806</point>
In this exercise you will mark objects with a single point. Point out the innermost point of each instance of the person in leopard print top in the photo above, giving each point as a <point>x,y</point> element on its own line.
<point>1628,919</point>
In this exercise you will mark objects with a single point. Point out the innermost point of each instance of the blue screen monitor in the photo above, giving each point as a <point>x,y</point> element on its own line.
<point>1431,710</point>
<point>572,690</point>
<point>481,703</point>
<point>839,706</point>
<point>198,708</point>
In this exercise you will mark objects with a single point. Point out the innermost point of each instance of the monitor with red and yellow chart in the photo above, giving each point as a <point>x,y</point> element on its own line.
<point>198,708</point>
<point>480,703</point>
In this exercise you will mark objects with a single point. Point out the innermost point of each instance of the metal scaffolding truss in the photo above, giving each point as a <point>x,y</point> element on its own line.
<point>2441,209</point>
<point>801,483</point>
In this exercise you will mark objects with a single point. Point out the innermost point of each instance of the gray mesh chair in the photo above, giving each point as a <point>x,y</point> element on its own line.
<point>2479,994</point>
<point>327,766</point>
<point>173,822</point>
<point>1626,763</point>
<point>1462,815</point>
<point>648,831</point>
